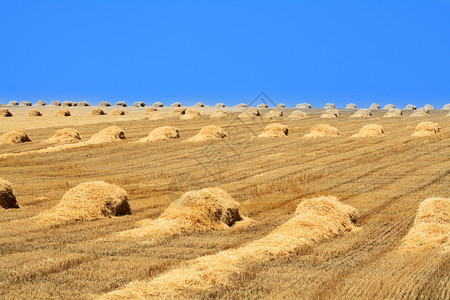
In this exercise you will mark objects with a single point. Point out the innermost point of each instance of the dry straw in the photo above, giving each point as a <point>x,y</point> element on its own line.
<point>190,114</point>
<point>322,130</point>
<point>421,112</point>
<point>262,105</point>
<point>150,110</point>
<point>34,113</point>
<point>178,111</point>
<point>370,130</point>
<point>330,113</point>
<point>219,114</point>
<point>86,202</point>
<point>109,134</point>
<point>5,113</point>
<point>65,135</point>
<point>350,106</point>
<point>298,115</point>
<point>7,198</point>
<point>15,136</point>
<point>273,114</point>
<point>209,133</point>
<point>362,113</point>
<point>199,104</point>
<point>118,112</point>
<point>389,106</point>
<point>427,129</point>
<point>156,115</point>
<point>431,228</point>
<point>249,113</point>
<point>316,220</point>
<point>63,113</point>
<point>274,130</point>
<point>98,112</point>
<point>160,134</point>
<point>394,112</point>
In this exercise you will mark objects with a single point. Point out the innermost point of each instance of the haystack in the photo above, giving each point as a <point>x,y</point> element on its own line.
<point>7,198</point>
<point>427,129</point>
<point>273,114</point>
<point>298,115</point>
<point>156,115</point>
<point>63,112</point>
<point>15,136</point>
<point>362,113</point>
<point>392,113</point>
<point>410,107</point>
<point>274,130</point>
<point>374,106</point>
<point>178,111</point>
<point>34,113</point>
<point>104,103</point>
<point>118,112</point>
<point>428,107</point>
<point>109,134</point>
<point>219,114</point>
<point>322,130</point>
<point>68,103</point>
<point>281,105</point>
<point>40,103</point>
<point>421,112</point>
<point>65,135</point>
<point>25,103</point>
<point>330,113</point>
<point>176,104</point>
<point>249,113</point>
<point>219,105</point>
<point>199,104</point>
<point>158,104</point>
<point>139,104</point>
<point>303,105</point>
<point>13,103</point>
<point>208,133</point>
<point>83,103</point>
<point>370,130</point>
<point>262,105</point>
<point>350,106</point>
<point>241,105</point>
<point>121,104</point>
<point>431,228</point>
<point>98,112</point>
<point>190,114</point>
<point>55,103</point>
<point>150,110</point>
<point>161,134</point>
<point>389,106</point>
<point>446,106</point>
<point>87,202</point>
<point>329,106</point>
<point>5,113</point>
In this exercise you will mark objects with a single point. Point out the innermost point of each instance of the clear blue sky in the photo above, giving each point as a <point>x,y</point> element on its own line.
<point>340,51</point>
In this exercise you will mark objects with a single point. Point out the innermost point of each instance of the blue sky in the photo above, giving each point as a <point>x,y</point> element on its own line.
<point>296,51</point>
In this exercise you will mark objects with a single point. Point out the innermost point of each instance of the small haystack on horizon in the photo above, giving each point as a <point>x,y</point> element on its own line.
<point>329,106</point>
<point>109,134</point>
<point>176,104</point>
<point>121,104</point>
<point>16,136</point>
<point>446,106</point>
<point>322,130</point>
<point>150,110</point>
<point>156,115</point>
<point>98,112</point>
<point>431,228</point>
<point>273,114</point>
<point>63,113</point>
<point>87,201</point>
<point>374,106</point>
<point>421,112</point>
<point>330,114</point>
<point>40,103</point>
<point>209,133</point>
<point>68,103</point>
<point>65,135</point>
<point>190,114</point>
<point>428,107</point>
<point>158,104</point>
<point>243,105</point>
<point>138,104</point>
<point>281,105</point>
<point>262,105</point>
<point>297,115</point>
<point>249,113</point>
<point>7,197</point>
<point>410,107</point>
<point>34,113</point>
<point>427,129</point>
<point>362,113</point>
<point>5,113</point>
<point>12,103</point>
<point>394,112</point>
<point>178,110</point>
<point>370,130</point>
<point>83,103</point>
<point>219,105</point>
<point>104,103</point>
<point>350,106</point>
<point>199,104</point>
<point>219,114</point>
<point>25,103</point>
<point>389,106</point>
<point>161,134</point>
<point>274,130</point>
<point>55,103</point>
<point>118,112</point>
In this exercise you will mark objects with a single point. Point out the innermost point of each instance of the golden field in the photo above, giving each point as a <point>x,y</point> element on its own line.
<point>384,178</point>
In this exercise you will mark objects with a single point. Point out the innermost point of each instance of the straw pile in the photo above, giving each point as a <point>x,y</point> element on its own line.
<point>178,111</point>
<point>55,103</point>
<point>40,103</point>
<point>83,103</point>
<point>249,113</point>
<point>25,103</point>
<point>121,104</point>
<point>7,198</point>
<point>389,106</point>
<point>262,105</point>
<point>139,104</point>
<point>303,105</point>
<point>219,114</point>
<point>65,135</point>
<point>5,113</point>
<point>273,114</point>
<point>158,104</point>
<point>330,113</point>
<point>156,115</point>
<point>410,107</point>
<point>329,106</point>
<point>104,103</point>
<point>370,130</point>
<point>118,112</point>
<point>190,114</point>
<point>275,130</point>
<point>160,134</point>
<point>13,103</point>
<point>241,105</point>
<point>208,133</point>
<point>63,113</point>
<point>98,112</point>
<point>34,113</point>
<point>87,202</point>
<point>446,106</point>
<point>322,130</point>
<point>298,115</point>
<point>428,107</point>
<point>362,113</point>
<point>431,228</point>
<point>316,220</point>
<point>281,105</point>
<point>350,106</point>
<point>109,134</point>
<point>176,104</point>
<point>15,136</point>
<point>374,106</point>
<point>150,110</point>
<point>421,112</point>
<point>427,129</point>
<point>392,113</point>
<point>199,104</point>
<point>219,105</point>
<point>68,103</point>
